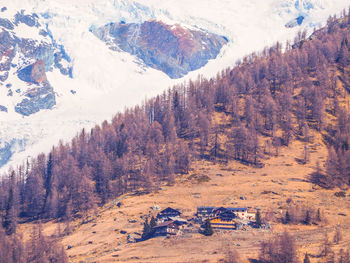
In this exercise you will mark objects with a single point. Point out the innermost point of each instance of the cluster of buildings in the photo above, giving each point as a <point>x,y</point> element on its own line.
<point>170,222</point>
<point>226,218</point>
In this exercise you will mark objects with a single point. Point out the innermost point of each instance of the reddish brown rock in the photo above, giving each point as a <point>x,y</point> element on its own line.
<point>173,49</point>
<point>38,72</point>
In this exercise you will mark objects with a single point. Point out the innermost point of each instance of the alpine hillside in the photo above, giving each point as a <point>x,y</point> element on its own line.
<point>66,66</point>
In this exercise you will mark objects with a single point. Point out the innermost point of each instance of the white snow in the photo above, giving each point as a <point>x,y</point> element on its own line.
<point>106,81</point>
<point>25,31</point>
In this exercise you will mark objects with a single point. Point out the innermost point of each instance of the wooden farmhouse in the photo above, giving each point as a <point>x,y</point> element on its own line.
<point>205,211</point>
<point>239,212</point>
<point>167,228</point>
<point>223,219</point>
<point>168,213</point>
<point>208,212</point>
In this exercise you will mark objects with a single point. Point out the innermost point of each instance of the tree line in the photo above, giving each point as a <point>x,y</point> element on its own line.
<point>245,113</point>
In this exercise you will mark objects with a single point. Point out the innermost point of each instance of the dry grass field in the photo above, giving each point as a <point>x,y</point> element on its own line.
<point>268,188</point>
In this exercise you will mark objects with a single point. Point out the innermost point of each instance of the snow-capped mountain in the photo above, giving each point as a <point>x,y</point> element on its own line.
<point>77,79</point>
<point>28,51</point>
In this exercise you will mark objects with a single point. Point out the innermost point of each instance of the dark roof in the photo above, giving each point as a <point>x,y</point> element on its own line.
<point>227,213</point>
<point>165,224</point>
<point>206,207</point>
<point>170,210</point>
<point>221,209</point>
<point>236,208</point>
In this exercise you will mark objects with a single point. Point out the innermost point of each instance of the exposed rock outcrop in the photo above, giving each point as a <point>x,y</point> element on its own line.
<point>34,73</point>
<point>31,59</point>
<point>172,49</point>
<point>37,99</point>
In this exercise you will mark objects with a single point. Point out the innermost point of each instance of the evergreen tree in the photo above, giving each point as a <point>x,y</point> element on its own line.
<point>208,230</point>
<point>258,219</point>
<point>146,230</point>
<point>307,259</point>
<point>287,218</point>
<point>152,224</point>
<point>307,218</point>
<point>318,215</point>
<point>9,220</point>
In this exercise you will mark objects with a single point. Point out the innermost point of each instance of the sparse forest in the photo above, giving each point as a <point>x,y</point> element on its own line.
<point>37,249</point>
<point>267,100</point>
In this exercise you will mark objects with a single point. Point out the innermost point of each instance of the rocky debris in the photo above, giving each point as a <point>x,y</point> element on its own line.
<point>123,232</point>
<point>243,198</point>
<point>3,9</point>
<point>173,49</point>
<point>295,22</point>
<point>3,108</point>
<point>37,99</point>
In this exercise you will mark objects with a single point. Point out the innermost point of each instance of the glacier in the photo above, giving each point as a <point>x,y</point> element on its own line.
<point>103,82</point>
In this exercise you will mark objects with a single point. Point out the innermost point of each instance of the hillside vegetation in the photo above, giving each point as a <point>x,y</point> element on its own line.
<point>247,115</point>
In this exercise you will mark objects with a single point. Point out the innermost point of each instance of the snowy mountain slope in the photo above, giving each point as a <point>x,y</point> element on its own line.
<point>104,82</point>
<point>27,52</point>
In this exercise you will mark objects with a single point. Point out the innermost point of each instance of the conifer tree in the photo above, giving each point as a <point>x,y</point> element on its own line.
<point>318,215</point>
<point>152,224</point>
<point>287,218</point>
<point>307,259</point>
<point>208,230</point>
<point>258,219</point>
<point>9,220</point>
<point>146,230</point>
<point>307,218</point>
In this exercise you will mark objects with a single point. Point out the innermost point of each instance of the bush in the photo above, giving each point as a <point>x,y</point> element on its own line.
<point>340,194</point>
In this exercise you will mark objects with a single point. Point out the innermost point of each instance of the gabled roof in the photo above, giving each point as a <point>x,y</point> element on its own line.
<point>170,210</point>
<point>178,219</point>
<point>221,209</point>
<point>227,213</point>
<point>206,207</point>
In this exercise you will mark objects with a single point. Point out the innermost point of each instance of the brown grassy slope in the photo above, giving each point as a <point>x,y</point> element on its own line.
<point>101,241</point>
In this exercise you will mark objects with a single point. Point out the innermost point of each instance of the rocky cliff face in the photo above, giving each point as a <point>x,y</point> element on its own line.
<point>27,52</point>
<point>173,49</point>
